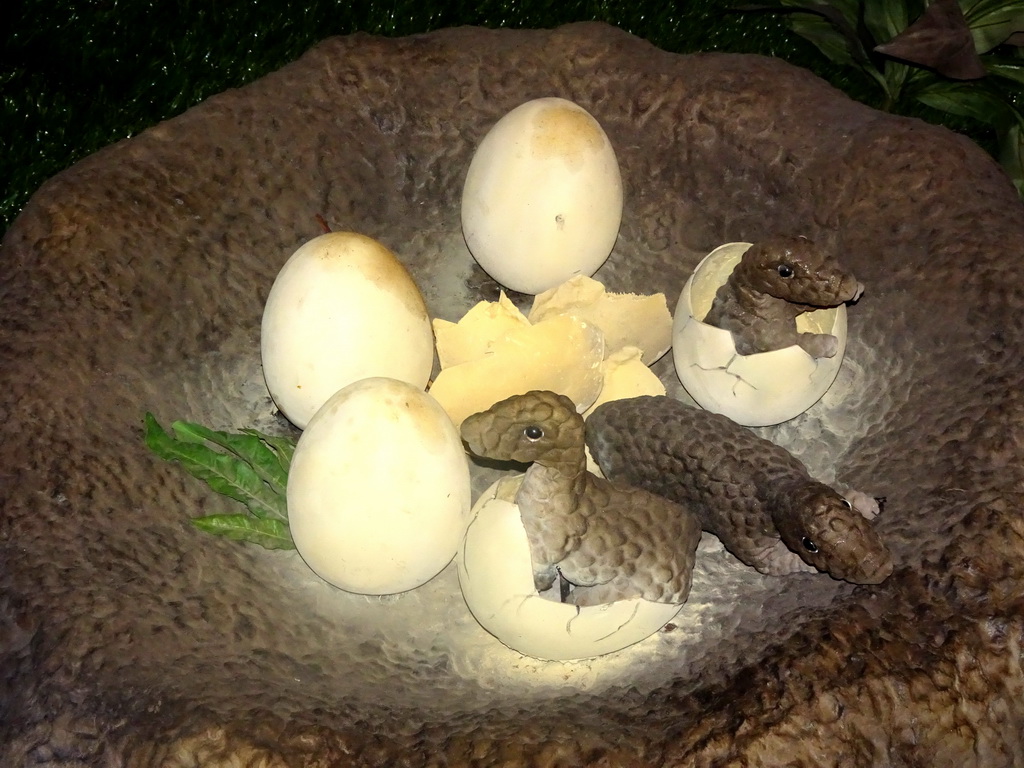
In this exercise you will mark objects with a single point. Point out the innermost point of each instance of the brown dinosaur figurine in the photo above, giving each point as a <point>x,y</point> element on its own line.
<point>777,280</point>
<point>609,542</point>
<point>752,494</point>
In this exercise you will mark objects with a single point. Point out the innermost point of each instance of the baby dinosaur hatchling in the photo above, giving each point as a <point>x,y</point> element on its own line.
<point>610,542</point>
<point>776,281</point>
<point>755,496</point>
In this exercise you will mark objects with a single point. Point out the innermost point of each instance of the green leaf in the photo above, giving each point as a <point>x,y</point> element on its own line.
<point>885,18</point>
<point>967,99</point>
<point>834,28</point>
<point>837,11</point>
<point>825,37</point>
<point>249,447</point>
<point>896,76</point>
<point>775,5</point>
<point>283,448</point>
<point>993,21</point>
<point>270,534</point>
<point>1009,69</point>
<point>224,473</point>
<point>1011,154</point>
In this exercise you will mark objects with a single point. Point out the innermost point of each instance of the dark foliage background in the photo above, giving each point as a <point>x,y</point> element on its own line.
<point>77,75</point>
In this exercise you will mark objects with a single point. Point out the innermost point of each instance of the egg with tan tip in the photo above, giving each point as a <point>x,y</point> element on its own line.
<point>378,490</point>
<point>342,308</point>
<point>542,199</point>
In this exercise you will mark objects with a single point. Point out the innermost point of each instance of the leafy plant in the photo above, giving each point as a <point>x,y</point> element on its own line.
<point>960,57</point>
<point>249,467</point>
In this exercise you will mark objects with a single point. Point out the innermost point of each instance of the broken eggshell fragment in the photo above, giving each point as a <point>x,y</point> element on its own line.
<point>562,353</point>
<point>496,575</point>
<point>754,390</point>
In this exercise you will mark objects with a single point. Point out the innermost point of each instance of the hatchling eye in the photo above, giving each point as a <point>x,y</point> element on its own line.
<point>848,503</point>
<point>784,270</point>
<point>533,432</point>
<point>809,545</point>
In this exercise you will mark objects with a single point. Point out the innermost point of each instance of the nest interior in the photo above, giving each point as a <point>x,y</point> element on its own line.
<point>135,282</point>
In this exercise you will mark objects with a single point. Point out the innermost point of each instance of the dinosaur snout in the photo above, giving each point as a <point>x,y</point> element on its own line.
<point>858,291</point>
<point>875,568</point>
<point>874,564</point>
<point>850,289</point>
<point>473,431</point>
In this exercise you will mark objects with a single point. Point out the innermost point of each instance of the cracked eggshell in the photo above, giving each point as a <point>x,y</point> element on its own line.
<point>477,333</point>
<point>626,375</point>
<point>754,390</point>
<point>563,354</point>
<point>625,319</point>
<point>342,308</point>
<point>496,576</point>
<point>542,199</point>
<point>378,490</point>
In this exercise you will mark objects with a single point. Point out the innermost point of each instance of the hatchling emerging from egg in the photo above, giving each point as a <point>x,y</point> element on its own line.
<point>776,281</point>
<point>609,542</point>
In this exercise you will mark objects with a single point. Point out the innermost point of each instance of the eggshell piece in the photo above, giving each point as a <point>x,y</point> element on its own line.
<point>626,375</point>
<point>562,354</point>
<point>379,489</point>
<point>341,309</point>
<point>477,332</point>
<point>755,390</point>
<point>496,577</point>
<point>626,319</point>
<point>542,199</point>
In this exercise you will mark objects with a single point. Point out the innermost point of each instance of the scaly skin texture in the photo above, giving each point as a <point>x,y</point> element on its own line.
<point>752,494</point>
<point>777,280</point>
<point>610,542</point>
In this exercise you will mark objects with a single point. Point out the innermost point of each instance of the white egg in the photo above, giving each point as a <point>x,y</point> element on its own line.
<point>378,491</point>
<point>496,577</point>
<point>543,196</point>
<point>755,390</point>
<point>342,308</point>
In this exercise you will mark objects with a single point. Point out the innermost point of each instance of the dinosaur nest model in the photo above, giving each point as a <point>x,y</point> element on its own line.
<point>135,281</point>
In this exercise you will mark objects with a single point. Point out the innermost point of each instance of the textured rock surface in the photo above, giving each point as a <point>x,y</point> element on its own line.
<point>135,281</point>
